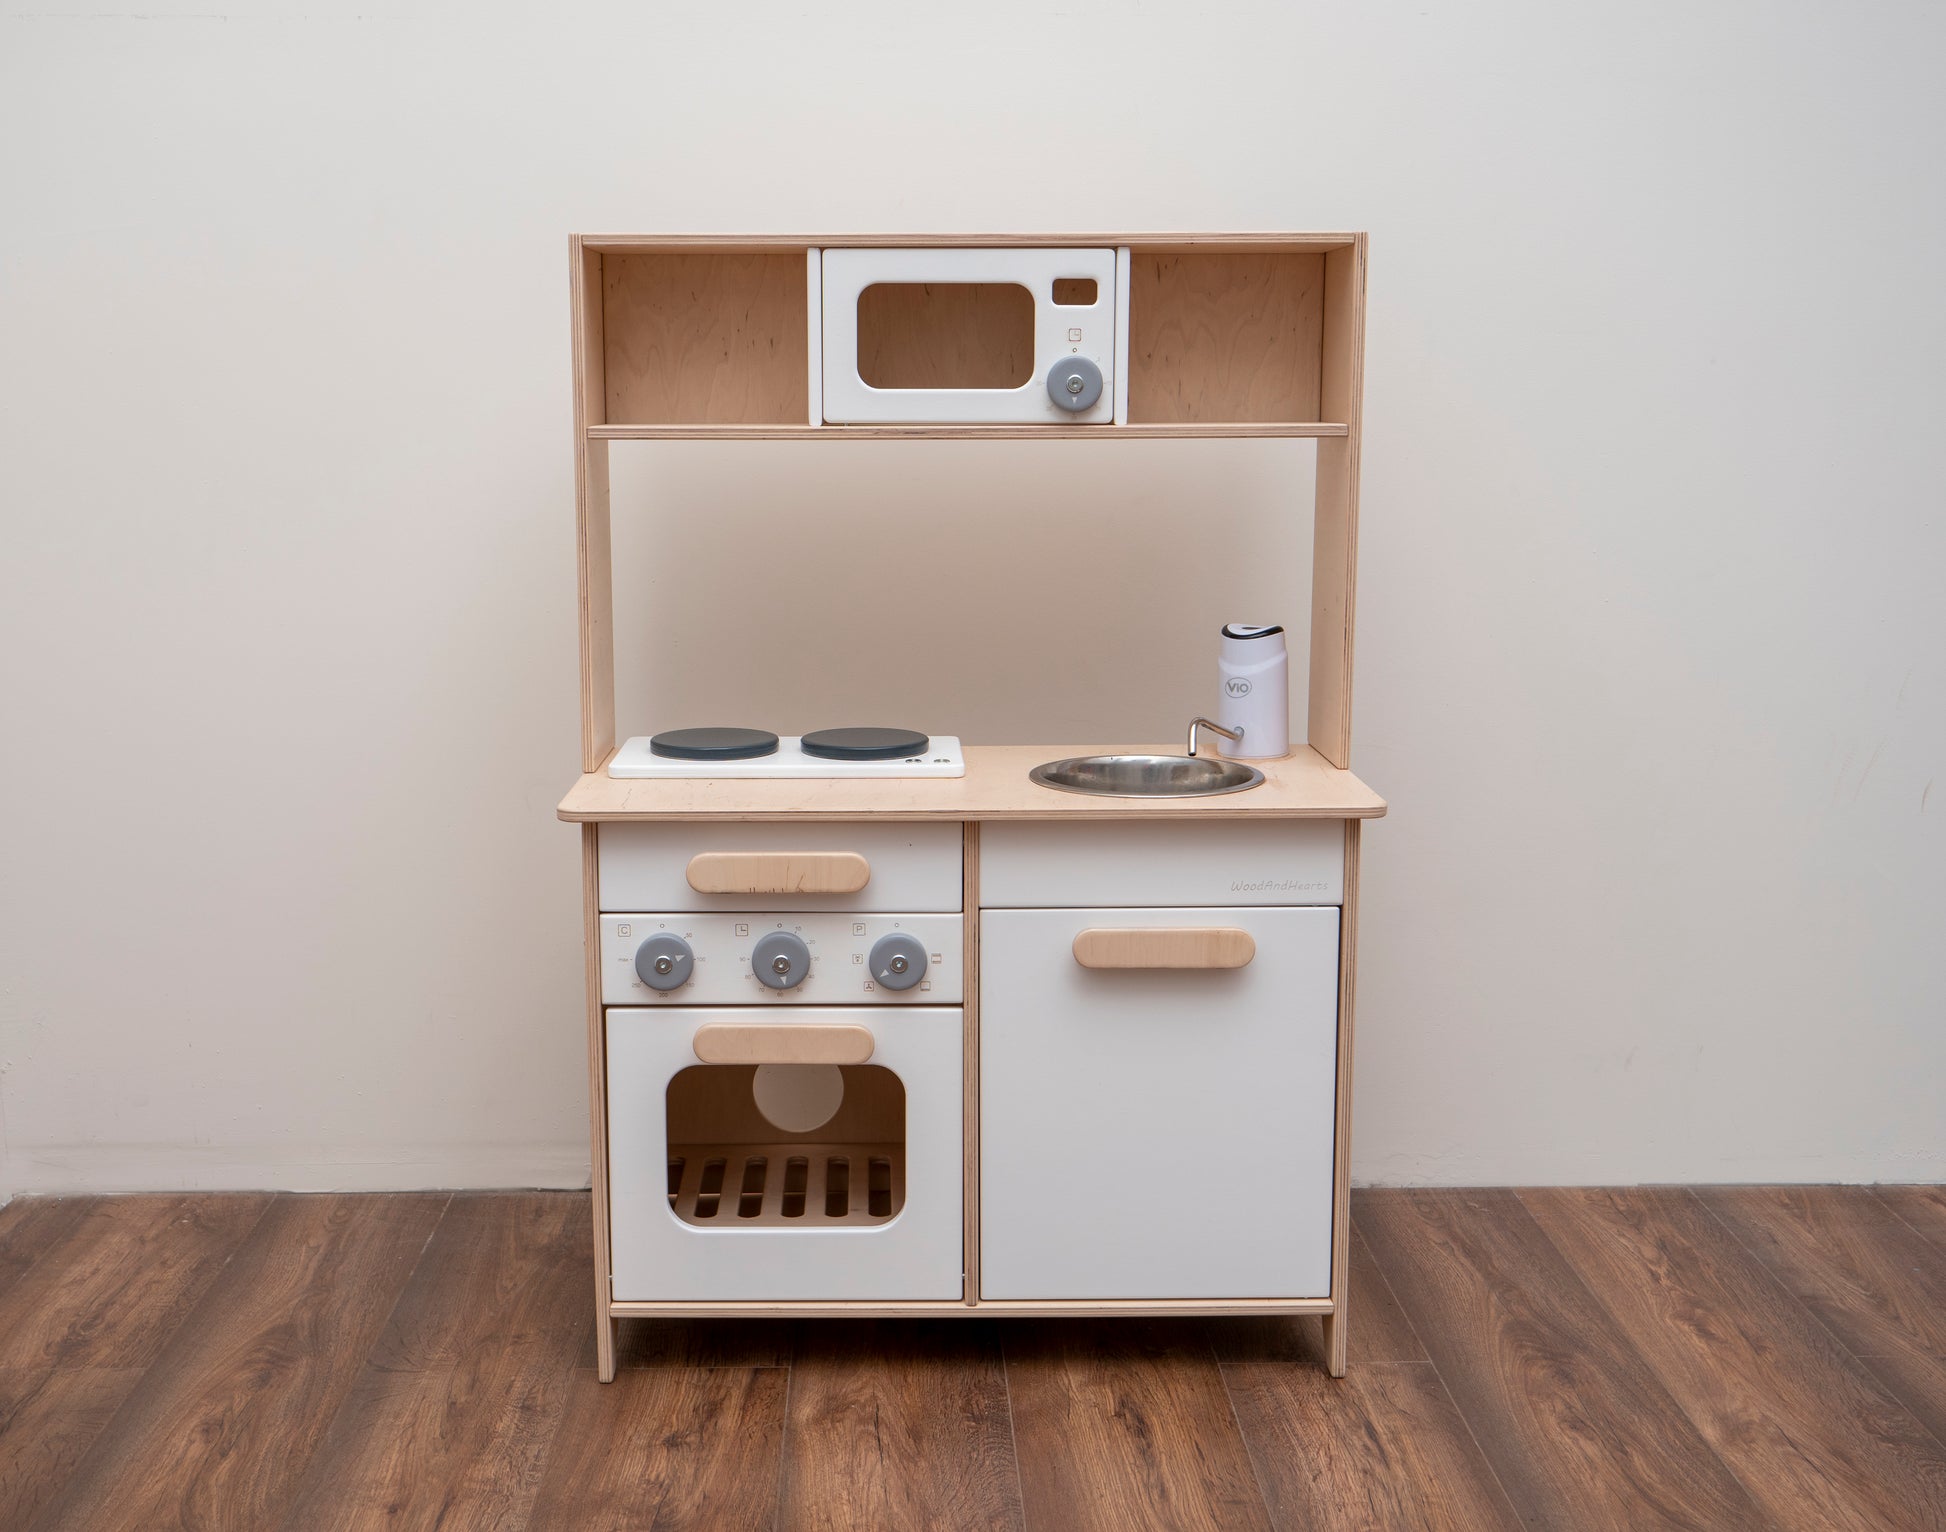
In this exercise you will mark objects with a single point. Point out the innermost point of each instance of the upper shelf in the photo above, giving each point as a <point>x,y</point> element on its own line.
<point>732,244</point>
<point>1024,432</point>
<point>1301,786</point>
<point>712,337</point>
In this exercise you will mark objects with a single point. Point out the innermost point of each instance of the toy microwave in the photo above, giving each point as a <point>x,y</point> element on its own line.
<point>1001,336</point>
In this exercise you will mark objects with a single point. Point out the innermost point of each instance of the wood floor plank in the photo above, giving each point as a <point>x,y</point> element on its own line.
<point>1921,1208</point>
<point>1815,1438</point>
<point>1382,1448</point>
<point>1380,1329</point>
<point>1577,1428</point>
<point>221,1427</point>
<point>902,1425</point>
<point>667,1448</point>
<point>1873,1281</point>
<point>698,1343</point>
<point>122,1278</point>
<point>48,1420</point>
<point>451,1418</point>
<point>1125,1423</point>
<point>81,1323</point>
<point>30,1226</point>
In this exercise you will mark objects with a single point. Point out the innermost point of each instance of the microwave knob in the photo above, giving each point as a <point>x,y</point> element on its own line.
<point>781,960</point>
<point>897,961</point>
<point>664,961</point>
<point>1074,383</point>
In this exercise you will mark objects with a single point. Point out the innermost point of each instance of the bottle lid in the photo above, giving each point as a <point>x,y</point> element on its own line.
<point>1252,644</point>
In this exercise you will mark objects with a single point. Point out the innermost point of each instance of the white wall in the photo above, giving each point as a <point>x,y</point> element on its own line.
<point>1652,655</point>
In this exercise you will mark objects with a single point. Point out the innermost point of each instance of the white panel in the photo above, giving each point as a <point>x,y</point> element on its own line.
<point>914,867</point>
<point>658,1256</point>
<point>814,312</point>
<point>840,945</point>
<point>1122,281</point>
<point>1290,861</point>
<point>849,398</point>
<point>1150,1134</point>
<point>637,759</point>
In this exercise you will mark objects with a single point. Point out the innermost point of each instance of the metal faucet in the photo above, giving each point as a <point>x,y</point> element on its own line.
<point>1235,736</point>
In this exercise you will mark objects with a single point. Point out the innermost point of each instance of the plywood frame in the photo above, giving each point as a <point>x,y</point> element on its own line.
<point>1225,336</point>
<point>610,380</point>
<point>704,337</point>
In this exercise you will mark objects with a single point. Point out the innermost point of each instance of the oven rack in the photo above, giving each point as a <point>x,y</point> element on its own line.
<point>786,1185</point>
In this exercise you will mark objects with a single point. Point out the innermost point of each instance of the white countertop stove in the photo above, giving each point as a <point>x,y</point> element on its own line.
<point>941,758</point>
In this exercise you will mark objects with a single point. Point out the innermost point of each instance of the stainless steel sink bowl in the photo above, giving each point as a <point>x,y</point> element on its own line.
<point>1147,776</point>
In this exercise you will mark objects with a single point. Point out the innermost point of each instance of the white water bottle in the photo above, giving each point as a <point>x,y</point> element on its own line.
<point>1256,691</point>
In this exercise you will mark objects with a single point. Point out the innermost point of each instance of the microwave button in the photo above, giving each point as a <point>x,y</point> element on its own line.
<point>1074,383</point>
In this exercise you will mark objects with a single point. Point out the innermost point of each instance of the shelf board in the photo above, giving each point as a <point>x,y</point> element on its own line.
<point>733,244</point>
<point>1301,786</point>
<point>1022,432</point>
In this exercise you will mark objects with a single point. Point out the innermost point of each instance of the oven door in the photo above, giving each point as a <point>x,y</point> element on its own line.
<point>956,335</point>
<point>758,1154</point>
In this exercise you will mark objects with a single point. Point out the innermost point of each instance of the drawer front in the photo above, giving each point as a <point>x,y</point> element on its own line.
<point>1282,862</point>
<point>780,867</point>
<point>1162,1128</point>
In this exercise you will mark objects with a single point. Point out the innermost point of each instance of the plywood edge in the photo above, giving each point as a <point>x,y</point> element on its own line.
<point>970,1064</point>
<point>597,1097</point>
<point>897,1308</point>
<point>1302,786</point>
<point>1267,240</point>
<point>1138,431</point>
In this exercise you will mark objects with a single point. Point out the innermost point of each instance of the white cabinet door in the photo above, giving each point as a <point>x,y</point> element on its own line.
<point>1156,1133</point>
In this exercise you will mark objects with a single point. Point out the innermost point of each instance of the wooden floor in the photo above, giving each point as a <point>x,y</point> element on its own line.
<point>1762,1358</point>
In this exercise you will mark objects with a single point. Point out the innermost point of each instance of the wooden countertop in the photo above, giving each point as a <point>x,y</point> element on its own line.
<point>1301,786</point>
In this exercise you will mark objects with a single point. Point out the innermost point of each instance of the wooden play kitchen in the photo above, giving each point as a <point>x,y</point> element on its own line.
<point>885,1026</point>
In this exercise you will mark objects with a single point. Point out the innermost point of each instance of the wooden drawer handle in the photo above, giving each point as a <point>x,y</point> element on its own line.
<point>778,872</point>
<point>721,1042</point>
<point>1164,947</point>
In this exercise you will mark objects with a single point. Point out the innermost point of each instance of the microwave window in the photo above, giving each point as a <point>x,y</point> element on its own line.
<point>946,335</point>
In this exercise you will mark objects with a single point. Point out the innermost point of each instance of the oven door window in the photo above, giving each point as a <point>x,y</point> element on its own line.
<point>786,1145</point>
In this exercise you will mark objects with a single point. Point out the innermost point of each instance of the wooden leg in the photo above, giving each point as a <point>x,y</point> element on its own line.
<point>1335,1333</point>
<point>597,1100</point>
<point>1335,1326</point>
<point>605,1331</point>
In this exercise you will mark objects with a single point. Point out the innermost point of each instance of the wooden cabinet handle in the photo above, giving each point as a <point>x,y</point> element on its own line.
<point>722,1042</point>
<point>778,872</point>
<point>1164,947</point>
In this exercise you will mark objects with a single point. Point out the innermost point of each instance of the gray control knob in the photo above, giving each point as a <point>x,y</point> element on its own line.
<point>664,961</point>
<point>898,961</point>
<point>1074,383</point>
<point>780,959</point>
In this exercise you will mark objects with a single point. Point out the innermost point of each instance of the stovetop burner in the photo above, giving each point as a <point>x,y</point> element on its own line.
<point>865,744</point>
<point>713,744</point>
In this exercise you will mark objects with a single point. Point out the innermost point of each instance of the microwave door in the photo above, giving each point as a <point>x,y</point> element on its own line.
<point>969,336</point>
